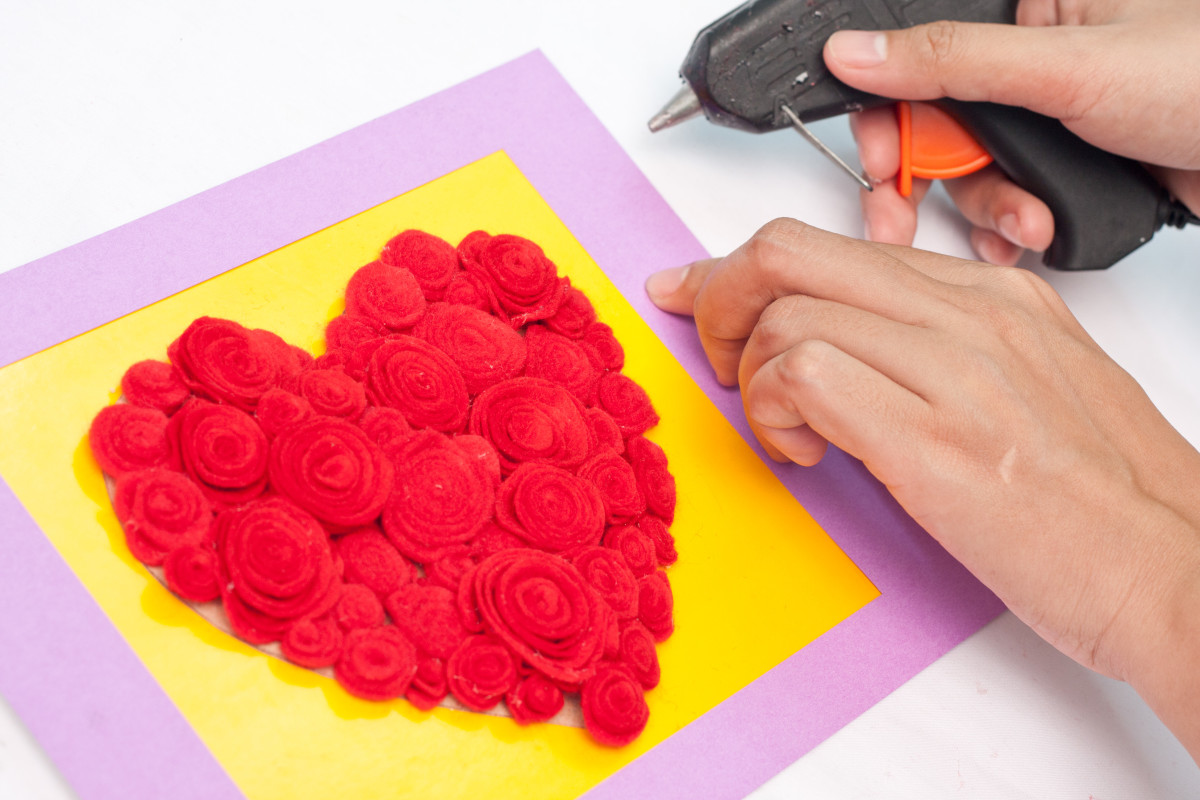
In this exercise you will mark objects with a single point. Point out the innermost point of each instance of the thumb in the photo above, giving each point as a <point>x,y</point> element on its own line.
<point>675,289</point>
<point>1041,68</point>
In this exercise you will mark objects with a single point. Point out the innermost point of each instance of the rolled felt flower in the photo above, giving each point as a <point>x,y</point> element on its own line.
<point>534,699</point>
<point>330,468</point>
<point>613,476</point>
<point>656,605</point>
<point>480,672</point>
<point>276,567</point>
<point>550,508</point>
<point>575,314</point>
<point>413,376</point>
<point>448,571</point>
<point>492,539</point>
<point>225,361</point>
<point>485,350</point>
<point>289,359</point>
<point>358,607</point>
<point>428,687</point>
<point>531,420</point>
<point>441,497</point>
<point>191,571</point>
<point>524,282</point>
<point>390,296</point>
<point>469,290</point>
<point>606,572</point>
<point>313,643</point>
<point>664,543</point>
<point>540,607</point>
<point>431,260</point>
<point>161,511</point>
<point>279,410</point>
<point>610,628</point>
<point>602,342</point>
<point>223,449</point>
<point>626,402</point>
<point>428,616</point>
<point>634,546</point>
<point>470,249</point>
<point>127,438</point>
<point>376,663</point>
<point>369,559</point>
<point>481,451</point>
<point>384,426</point>
<point>638,652</point>
<point>655,480</point>
<point>332,392</point>
<point>560,360</point>
<point>154,384</point>
<point>603,432</point>
<point>614,705</point>
<point>347,331</point>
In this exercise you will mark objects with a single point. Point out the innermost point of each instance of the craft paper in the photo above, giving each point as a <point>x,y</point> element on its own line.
<point>608,214</point>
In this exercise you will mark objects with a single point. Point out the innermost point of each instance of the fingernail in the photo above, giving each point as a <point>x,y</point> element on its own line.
<point>1010,228</point>
<point>662,285</point>
<point>858,48</point>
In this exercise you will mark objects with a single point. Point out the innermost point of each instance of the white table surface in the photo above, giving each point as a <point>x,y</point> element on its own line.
<point>110,111</point>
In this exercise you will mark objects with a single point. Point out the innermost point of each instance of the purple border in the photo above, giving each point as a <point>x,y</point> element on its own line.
<point>928,603</point>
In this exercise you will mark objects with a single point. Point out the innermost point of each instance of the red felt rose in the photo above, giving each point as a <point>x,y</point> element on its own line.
<point>192,572</point>
<point>480,672</point>
<point>603,432</point>
<point>626,402</point>
<point>441,498</point>
<point>524,282</point>
<point>550,508</point>
<point>485,350</point>
<point>606,572</point>
<point>332,392</point>
<point>468,290</point>
<point>279,410</point>
<point>491,539</point>
<point>371,560</point>
<point>560,360</point>
<point>637,651</point>
<point>470,249</point>
<point>656,605</point>
<point>276,567</point>
<point>534,699</point>
<point>428,687</point>
<point>574,316</point>
<point>634,546</point>
<point>384,426</point>
<point>331,469</point>
<point>664,543</point>
<point>223,449</point>
<point>376,663</point>
<point>126,438</point>
<point>655,480</point>
<point>161,511</point>
<point>224,361</point>
<point>428,616</point>
<point>480,451</point>
<point>350,330</point>
<point>602,343</point>
<point>289,359</point>
<point>154,384</point>
<point>413,376</point>
<point>540,607</point>
<point>614,706</point>
<point>612,475</point>
<point>390,296</point>
<point>432,261</point>
<point>448,571</point>
<point>358,607</point>
<point>313,643</point>
<point>531,420</point>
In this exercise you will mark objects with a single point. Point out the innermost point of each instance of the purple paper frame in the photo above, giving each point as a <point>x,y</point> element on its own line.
<point>103,719</point>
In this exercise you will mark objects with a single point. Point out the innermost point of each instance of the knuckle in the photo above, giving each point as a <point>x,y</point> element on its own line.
<point>941,41</point>
<point>806,363</point>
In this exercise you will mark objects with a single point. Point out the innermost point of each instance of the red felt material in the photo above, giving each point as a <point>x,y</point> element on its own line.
<point>614,705</point>
<point>664,543</point>
<point>603,343</point>
<point>612,475</point>
<point>541,608</point>
<point>223,449</point>
<point>154,384</point>
<point>655,480</point>
<point>376,663</point>
<point>603,432</point>
<point>224,361</point>
<point>626,402</point>
<point>276,567</point>
<point>605,571</point>
<point>480,672</point>
<point>413,376</point>
<point>480,451</point>
<point>637,651</point>
<point>332,392</point>
<point>313,643</point>
<point>334,359</point>
<point>428,687</point>
<point>634,546</point>
<point>390,296</point>
<point>161,511</point>
<point>524,282</point>
<point>289,359</point>
<point>191,571</point>
<point>531,420</point>
<point>448,571</point>
<point>466,289</point>
<point>560,360</point>
<point>441,498</point>
<point>385,427</point>
<point>428,616</point>
<point>466,604</point>
<point>550,508</point>
<point>491,539</point>
<point>127,438</point>
<point>279,410</point>
<point>485,350</point>
<point>432,261</point>
<point>470,249</point>
<point>371,560</point>
<point>330,468</point>
<point>358,607</point>
<point>534,699</point>
<point>574,316</point>
<point>656,605</point>
<point>350,330</point>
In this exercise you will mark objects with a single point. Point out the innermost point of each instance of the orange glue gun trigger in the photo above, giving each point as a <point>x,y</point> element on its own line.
<point>934,146</point>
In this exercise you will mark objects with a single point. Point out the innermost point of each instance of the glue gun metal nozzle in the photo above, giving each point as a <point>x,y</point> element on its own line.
<point>683,106</point>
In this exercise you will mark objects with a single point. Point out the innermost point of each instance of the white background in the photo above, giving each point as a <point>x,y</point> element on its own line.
<point>110,111</point>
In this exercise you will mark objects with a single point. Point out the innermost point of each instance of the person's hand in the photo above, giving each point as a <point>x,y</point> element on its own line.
<point>1122,74</point>
<point>976,398</point>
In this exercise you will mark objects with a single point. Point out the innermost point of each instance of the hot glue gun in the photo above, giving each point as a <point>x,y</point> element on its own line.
<point>759,68</point>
